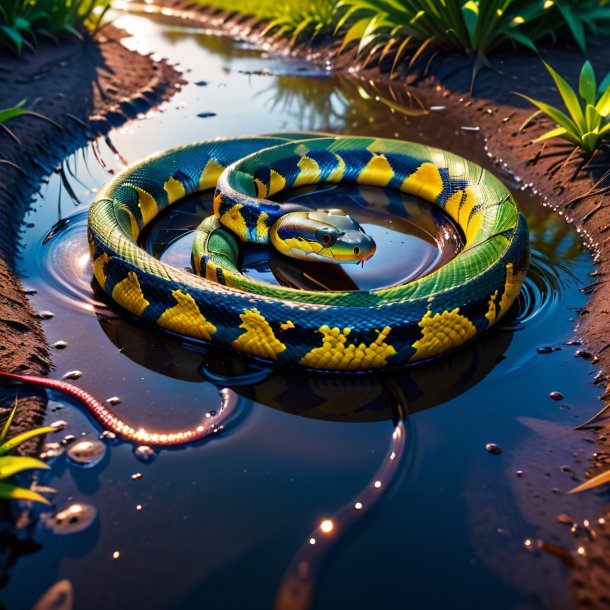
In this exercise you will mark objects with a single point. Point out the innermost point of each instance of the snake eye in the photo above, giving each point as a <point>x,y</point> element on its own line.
<point>327,237</point>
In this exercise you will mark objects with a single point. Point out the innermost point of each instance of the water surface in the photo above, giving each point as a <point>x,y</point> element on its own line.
<point>219,523</point>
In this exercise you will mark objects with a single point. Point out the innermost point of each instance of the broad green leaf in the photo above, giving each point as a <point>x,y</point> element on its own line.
<point>554,133</point>
<point>590,140</point>
<point>592,118</point>
<point>355,32</point>
<point>603,103</point>
<point>575,25</point>
<point>13,464</point>
<point>25,436</point>
<point>14,37</point>
<point>600,479</point>
<point>521,38</point>
<point>569,98</point>
<point>604,130</point>
<point>559,117</point>
<point>14,492</point>
<point>587,87</point>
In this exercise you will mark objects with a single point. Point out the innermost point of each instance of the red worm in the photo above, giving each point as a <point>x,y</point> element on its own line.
<point>109,421</point>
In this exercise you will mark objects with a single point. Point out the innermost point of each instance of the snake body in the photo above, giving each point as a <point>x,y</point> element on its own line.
<point>344,331</point>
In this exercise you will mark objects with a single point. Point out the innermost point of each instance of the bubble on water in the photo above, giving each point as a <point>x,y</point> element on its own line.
<point>87,453</point>
<point>108,435</point>
<point>73,519</point>
<point>145,453</point>
<point>73,375</point>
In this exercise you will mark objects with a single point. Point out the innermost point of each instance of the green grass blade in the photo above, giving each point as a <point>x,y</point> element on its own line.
<point>21,438</point>
<point>559,117</point>
<point>14,464</point>
<point>8,422</point>
<point>569,97</point>
<point>13,492</point>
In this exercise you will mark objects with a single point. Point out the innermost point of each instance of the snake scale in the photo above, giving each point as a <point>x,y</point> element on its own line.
<point>328,331</point>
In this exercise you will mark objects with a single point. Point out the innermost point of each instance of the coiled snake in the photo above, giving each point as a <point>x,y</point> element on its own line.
<point>342,331</point>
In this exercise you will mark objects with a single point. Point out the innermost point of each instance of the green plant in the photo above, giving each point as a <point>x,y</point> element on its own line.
<point>23,21</point>
<point>382,27</point>
<point>11,465</point>
<point>292,18</point>
<point>295,17</point>
<point>586,124</point>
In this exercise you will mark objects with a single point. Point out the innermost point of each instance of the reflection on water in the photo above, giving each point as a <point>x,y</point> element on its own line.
<point>220,525</point>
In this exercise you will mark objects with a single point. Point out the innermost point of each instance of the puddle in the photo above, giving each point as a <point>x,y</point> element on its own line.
<point>217,525</point>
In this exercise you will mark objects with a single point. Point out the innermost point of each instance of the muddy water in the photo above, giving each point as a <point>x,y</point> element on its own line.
<point>229,523</point>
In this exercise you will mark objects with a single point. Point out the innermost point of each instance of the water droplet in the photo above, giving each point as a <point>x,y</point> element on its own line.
<point>66,440</point>
<point>60,344</point>
<point>144,453</point>
<point>73,519</point>
<point>113,400</point>
<point>136,476</point>
<point>519,473</point>
<point>107,435</point>
<point>556,395</point>
<point>73,375</point>
<point>45,315</point>
<point>87,453</point>
<point>116,555</point>
<point>138,507</point>
<point>60,424</point>
<point>493,448</point>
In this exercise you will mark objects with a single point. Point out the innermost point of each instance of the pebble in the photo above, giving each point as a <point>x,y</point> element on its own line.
<point>113,400</point>
<point>144,453</point>
<point>73,375</point>
<point>107,435</point>
<point>206,115</point>
<point>545,349</point>
<point>556,395</point>
<point>87,453</point>
<point>493,448</point>
<point>519,473</point>
<point>73,519</point>
<point>60,424</point>
<point>136,476</point>
<point>60,344</point>
<point>45,315</point>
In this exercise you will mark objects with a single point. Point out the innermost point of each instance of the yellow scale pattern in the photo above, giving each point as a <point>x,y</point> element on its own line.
<point>339,355</point>
<point>185,318</point>
<point>258,338</point>
<point>442,332</point>
<point>128,294</point>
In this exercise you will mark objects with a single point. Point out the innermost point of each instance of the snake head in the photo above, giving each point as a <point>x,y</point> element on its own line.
<point>322,235</point>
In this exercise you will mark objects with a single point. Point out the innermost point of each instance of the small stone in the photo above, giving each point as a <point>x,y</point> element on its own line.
<point>201,83</point>
<point>113,400</point>
<point>556,395</point>
<point>66,440</point>
<point>493,449</point>
<point>545,349</point>
<point>583,353</point>
<point>565,519</point>
<point>87,454</point>
<point>206,115</point>
<point>144,453</point>
<point>45,315</point>
<point>60,424</point>
<point>519,473</point>
<point>107,435</point>
<point>73,375</point>
<point>136,476</point>
<point>60,344</point>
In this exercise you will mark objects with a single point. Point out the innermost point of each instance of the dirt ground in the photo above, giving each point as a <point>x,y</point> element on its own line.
<point>84,89</point>
<point>106,70</point>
